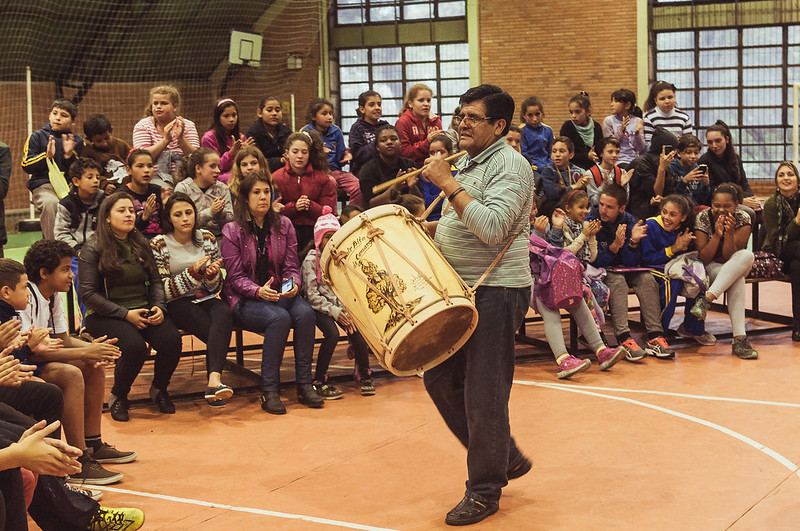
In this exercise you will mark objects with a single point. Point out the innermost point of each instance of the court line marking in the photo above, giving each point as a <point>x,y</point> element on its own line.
<point>263,512</point>
<point>666,393</point>
<point>794,469</point>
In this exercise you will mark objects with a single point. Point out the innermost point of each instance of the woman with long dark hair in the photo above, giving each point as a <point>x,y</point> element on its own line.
<point>259,250</point>
<point>189,263</point>
<point>124,297</point>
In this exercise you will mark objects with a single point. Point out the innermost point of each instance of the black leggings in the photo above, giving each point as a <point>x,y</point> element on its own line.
<point>164,338</point>
<point>791,259</point>
<point>211,321</point>
<point>330,336</point>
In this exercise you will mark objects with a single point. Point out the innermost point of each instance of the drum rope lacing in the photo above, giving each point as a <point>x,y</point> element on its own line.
<point>441,291</point>
<point>376,233</point>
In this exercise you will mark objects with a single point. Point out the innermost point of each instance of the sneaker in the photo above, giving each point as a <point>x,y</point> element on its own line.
<point>326,391</point>
<point>118,407</point>
<point>707,339</point>
<point>271,403</point>
<point>634,351</point>
<point>96,495</point>
<point>367,387</point>
<point>161,399</point>
<point>109,454</point>
<point>572,365</point>
<point>521,466</point>
<point>470,511</point>
<point>93,473</point>
<point>221,391</point>
<point>119,519</point>
<point>659,348</point>
<point>217,402</point>
<point>741,348</point>
<point>608,357</point>
<point>308,396</point>
<point>700,308</point>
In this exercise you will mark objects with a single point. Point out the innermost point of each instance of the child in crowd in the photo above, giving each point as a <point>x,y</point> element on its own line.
<point>414,204</point>
<point>329,312</point>
<point>626,125</point>
<point>269,133</point>
<point>5,177</point>
<point>561,176</point>
<point>607,171</point>
<point>387,165</point>
<point>416,125</point>
<point>54,141</point>
<point>349,212</point>
<point>362,133</point>
<point>691,180</point>
<point>722,233</point>
<point>76,219</point>
<point>320,117</point>
<point>514,137</point>
<point>584,132</point>
<point>304,185</point>
<point>568,364</point>
<point>76,366</point>
<point>200,181</point>
<point>440,146</point>
<point>107,150</point>
<point>124,297</point>
<point>660,109</point>
<point>579,235</point>
<point>667,235</point>
<point>147,197</point>
<point>165,134</point>
<point>189,263</point>
<point>537,138</point>
<point>249,160</point>
<point>617,243</point>
<point>650,182</point>
<point>224,136</point>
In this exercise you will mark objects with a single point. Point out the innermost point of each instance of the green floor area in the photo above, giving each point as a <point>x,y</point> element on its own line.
<point>18,244</point>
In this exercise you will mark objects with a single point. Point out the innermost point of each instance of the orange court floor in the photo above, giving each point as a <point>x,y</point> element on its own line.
<point>706,441</point>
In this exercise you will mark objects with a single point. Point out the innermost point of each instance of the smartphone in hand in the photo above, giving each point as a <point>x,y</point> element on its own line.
<point>288,285</point>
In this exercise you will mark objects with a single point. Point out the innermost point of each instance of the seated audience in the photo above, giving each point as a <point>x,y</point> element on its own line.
<point>224,136</point>
<point>782,228</point>
<point>650,182</point>
<point>189,263</point>
<point>107,150</point>
<point>249,160</point>
<point>147,197</point>
<point>660,110</point>
<point>363,132</point>
<point>561,177</point>
<point>607,171</point>
<point>387,165</point>
<point>537,138</point>
<point>259,251</point>
<point>198,178</point>
<point>626,125</point>
<point>417,126</point>
<point>584,132</point>
<point>691,180</point>
<point>269,133</point>
<point>124,297</point>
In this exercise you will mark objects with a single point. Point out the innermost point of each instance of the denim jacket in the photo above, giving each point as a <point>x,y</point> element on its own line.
<point>239,256</point>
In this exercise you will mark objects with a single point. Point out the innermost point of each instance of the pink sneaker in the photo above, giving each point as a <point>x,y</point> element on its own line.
<point>609,356</point>
<point>572,365</point>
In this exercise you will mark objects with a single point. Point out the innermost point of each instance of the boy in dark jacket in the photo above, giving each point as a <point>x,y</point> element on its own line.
<point>53,141</point>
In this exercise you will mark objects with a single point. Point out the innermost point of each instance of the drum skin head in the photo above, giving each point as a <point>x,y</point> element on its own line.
<point>407,302</point>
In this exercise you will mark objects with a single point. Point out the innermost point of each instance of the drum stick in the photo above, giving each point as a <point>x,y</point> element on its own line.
<point>430,208</point>
<point>383,186</point>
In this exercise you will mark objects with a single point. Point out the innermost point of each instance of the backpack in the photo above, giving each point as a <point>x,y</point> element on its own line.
<point>597,173</point>
<point>690,269</point>
<point>766,265</point>
<point>557,275</point>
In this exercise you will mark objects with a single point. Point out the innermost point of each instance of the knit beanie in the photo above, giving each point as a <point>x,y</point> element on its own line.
<point>327,222</point>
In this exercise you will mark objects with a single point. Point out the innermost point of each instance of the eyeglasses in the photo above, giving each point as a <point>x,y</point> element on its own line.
<point>470,119</point>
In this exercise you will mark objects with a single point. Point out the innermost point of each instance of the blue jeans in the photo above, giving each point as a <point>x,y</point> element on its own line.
<point>273,320</point>
<point>471,389</point>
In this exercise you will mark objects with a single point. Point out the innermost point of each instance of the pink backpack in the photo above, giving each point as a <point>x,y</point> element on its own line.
<point>557,275</point>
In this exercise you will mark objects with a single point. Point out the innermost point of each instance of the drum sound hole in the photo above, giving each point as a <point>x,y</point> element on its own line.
<point>432,338</point>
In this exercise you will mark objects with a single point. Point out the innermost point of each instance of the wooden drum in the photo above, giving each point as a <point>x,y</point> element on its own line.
<point>410,305</point>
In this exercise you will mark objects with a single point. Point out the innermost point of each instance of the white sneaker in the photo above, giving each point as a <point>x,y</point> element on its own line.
<point>96,495</point>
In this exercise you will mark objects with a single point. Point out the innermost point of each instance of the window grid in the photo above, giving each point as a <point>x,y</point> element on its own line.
<point>743,76</point>
<point>357,12</point>
<point>391,70</point>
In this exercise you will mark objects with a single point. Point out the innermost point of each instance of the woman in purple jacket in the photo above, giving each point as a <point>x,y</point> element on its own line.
<point>259,250</point>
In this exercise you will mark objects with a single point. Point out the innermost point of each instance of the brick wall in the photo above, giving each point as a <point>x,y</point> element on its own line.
<point>554,50</point>
<point>124,103</point>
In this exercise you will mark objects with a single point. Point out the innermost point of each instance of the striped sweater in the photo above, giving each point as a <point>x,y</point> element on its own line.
<point>178,281</point>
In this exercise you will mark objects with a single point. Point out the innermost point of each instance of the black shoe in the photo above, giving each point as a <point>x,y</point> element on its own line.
<point>271,403</point>
<point>521,466</point>
<point>161,398</point>
<point>119,409</point>
<point>306,395</point>
<point>470,511</point>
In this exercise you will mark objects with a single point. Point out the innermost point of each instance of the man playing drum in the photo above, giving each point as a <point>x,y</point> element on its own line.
<point>490,201</point>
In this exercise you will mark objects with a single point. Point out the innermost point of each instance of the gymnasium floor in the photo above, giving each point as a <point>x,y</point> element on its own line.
<point>705,442</point>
